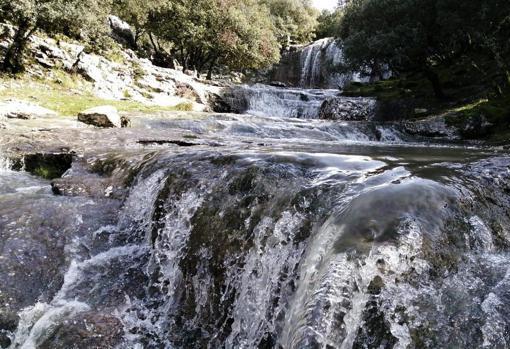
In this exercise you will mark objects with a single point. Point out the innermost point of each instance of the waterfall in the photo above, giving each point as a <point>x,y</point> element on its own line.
<point>318,62</point>
<point>317,65</point>
<point>263,100</point>
<point>5,164</point>
<point>292,250</point>
<point>279,102</point>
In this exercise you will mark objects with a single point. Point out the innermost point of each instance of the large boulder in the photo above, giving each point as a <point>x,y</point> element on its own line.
<point>15,109</point>
<point>348,109</point>
<point>121,31</point>
<point>431,127</point>
<point>104,116</point>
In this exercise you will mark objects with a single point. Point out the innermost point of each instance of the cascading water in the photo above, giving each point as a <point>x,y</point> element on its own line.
<point>321,55</point>
<point>272,249</point>
<point>263,100</point>
<point>317,65</point>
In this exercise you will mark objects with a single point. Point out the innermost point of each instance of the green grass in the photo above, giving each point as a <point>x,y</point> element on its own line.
<point>68,95</point>
<point>469,89</point>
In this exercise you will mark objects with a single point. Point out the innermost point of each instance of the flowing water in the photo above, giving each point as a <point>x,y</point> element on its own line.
<point>293,233</point>
<point>316,57</point>
<point>263,100</point>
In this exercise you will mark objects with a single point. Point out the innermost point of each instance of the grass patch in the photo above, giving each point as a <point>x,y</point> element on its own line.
<point>470,91</point>
<point>115,55</point>
<point>497,111</point>
<point>69,97</point>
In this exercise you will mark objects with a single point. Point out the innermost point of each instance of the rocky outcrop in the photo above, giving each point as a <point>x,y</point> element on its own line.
<point>104,116</point>
<point>474,127</point>
<point>348,109</point>
<point>121,31</point>
<point>48,165</point>
<point>431,127</point>
<point>122,76</point>
<point>15,109</point>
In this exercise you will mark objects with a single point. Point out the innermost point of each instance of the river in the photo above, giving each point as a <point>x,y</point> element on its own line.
<point>265,231</point>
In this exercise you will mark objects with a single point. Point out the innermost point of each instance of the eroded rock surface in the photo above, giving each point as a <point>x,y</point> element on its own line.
<point>348,109</point>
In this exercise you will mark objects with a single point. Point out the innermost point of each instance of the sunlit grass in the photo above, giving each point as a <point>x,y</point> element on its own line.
<point>69,94</point>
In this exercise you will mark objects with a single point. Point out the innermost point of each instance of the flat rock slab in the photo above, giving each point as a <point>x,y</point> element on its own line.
<point>17,109</point>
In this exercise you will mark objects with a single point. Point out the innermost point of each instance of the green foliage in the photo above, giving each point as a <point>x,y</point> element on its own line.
<point>294,20</point>
<point>237,34</point>
<point>185,106</point>
<point>136,13</point>
<point>83,19</point>
<point>422,35</point>
<point>328,24</point>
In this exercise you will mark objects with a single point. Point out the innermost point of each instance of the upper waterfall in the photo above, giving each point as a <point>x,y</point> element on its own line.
<point>317,65</point>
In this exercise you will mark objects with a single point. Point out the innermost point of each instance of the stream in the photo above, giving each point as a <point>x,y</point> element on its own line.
<point>278,231</point>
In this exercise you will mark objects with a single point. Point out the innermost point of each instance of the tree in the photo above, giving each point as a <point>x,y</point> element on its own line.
<point>479,30</point>
<point>76,18</point>
<point>403,34</point>
<point>420,35</point>
<point>237,34</point>
<point>294,20</point>
<point>136,13</point>
<point>328,24</point>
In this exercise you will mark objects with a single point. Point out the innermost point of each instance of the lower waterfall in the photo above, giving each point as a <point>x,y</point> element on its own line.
<point>288,250</point>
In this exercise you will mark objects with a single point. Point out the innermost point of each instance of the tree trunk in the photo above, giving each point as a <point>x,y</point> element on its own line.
<point>436,83</point>
<point>153,42</point>
<point>211,68</point>
<point>13,60</point>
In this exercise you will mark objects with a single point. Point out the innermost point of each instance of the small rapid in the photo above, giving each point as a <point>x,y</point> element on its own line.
<point>264,100</point>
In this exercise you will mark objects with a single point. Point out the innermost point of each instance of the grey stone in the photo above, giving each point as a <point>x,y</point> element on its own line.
<point>104,116</point>
<point>16,109</point>
<point>348,109</point>
<point>434,126</point>
<point>121,31</point>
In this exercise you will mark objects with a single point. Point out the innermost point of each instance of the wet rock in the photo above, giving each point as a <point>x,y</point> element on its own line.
<point>277,84</point>
<point>86,330</point>
<point>348,109</point>
<point>16,109</point>
<point>376,285</point>
<point>475,127</point>
<point>8,324</point>
<point>90,186</point>
<point>435,127</point>
<point>218,104</point>
<point>375,331</point>
<point>104,116</point>
<point>396,109</point>
<point>45,165</point>
<point>179,143</point>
